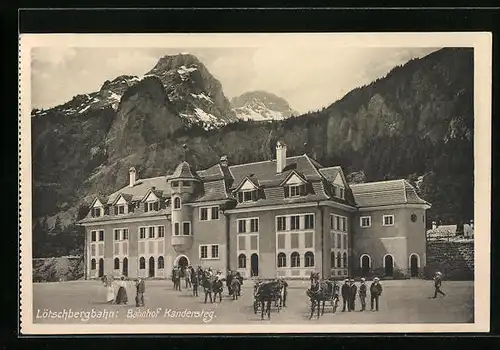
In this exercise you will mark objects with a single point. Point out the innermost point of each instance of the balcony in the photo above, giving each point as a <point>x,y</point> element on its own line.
<point>182,243</point>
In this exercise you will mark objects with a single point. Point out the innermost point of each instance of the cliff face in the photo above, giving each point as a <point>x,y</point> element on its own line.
<point>415,123</point>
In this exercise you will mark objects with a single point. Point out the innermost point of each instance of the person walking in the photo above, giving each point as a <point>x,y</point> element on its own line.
<point>110,289</point>
<point>437,285</point>
<point>121,296</point>
<point>362,294</point>
<point>140,288</point>
<point>375,292</point>
<point>345,294</point>
<point>187,275</point>
<point>353,289</point>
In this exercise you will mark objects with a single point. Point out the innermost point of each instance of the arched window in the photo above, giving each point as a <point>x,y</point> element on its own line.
<point>117,264</point>
<point>309,259</point>
<point>295,259</point>
<point>365,261</point>
<point>344,260</point>
<point>177,203</point>
<point>142,263</point>
<point>161,262</point>
<point>281,260</point>
<point>242,261</point>
<point>332,259</point>
<point>92,264</point>
<point>339,260</point>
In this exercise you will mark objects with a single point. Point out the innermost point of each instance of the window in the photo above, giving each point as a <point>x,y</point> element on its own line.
<point>334,190</point>
<point>281,223</point>
<point>142,232</point>
<point>242,226</point>
<point>241,242</point>
<point>388,220</point>
<point>175,183</point>
<point>294,222</point>
<point>212,249</point>
<point>125,234</point>
<point>339,273</point>
<point>176,229</point>
<point>203,252</point>
<point>332,222</point>
<point>295,257</point>
<point>92,264</point>
<point>121,209</point>
<point>281,260</point>
<point>309,221</point>
<point>339,241</point>
<point>294,241</point>
<point>101,236</point>
<point>161,231</point>
<point>142,263</point>
<point>151,232</point>
<point>93,235</point>
<point>242,261</point>
<point>117,264</point>
<point>254,225</point>
<point>203,214</point>
<point>215,213</point>
<point>96,212</point>
<point>161,262</point>
<point>309,259</point>
<point>365,221</point>
<point>186,228</point>
<point>249,196</point>
<point>339,260</point>
<point>341,193</point>
<point>294,191</point>
<point>344,260</point>
<point>337,222</point>
<point>92,250</point>
<point>152,206</point>
<point>343,222</point>
<point>308,240</point>
<point>332,259</point>
<point>117,234</point>
<point>281,241</point>
<point>345,241</point>
<point>186,184</point>
<point>177,203</point>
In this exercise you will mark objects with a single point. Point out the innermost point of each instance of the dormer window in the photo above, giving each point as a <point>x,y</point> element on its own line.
<point>295,190</point>
<point>151,206</point>
<point>186,184</point>
<point>247,196</point>
<point>120,209</point>
<point>175,183</point>
<point>338,191</point>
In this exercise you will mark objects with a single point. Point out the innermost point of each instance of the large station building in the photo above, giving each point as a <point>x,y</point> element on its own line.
<point>283,217</point>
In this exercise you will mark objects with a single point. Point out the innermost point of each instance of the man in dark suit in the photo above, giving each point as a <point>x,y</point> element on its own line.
<point>437,285</point>
<point>353,289</point>
<point>140,288</point>
<point>345,291</point>
<point>362,294</point>
<point>375,292</point>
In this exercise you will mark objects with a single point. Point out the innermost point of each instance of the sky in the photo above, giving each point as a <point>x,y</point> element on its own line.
<point>308,79</point>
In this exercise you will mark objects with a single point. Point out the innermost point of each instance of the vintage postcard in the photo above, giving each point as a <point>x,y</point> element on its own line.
<point>255,183</point>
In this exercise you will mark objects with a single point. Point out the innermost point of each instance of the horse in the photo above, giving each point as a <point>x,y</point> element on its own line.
<point>211,284</point>
<point>321,292</point>
<point>264,295</point>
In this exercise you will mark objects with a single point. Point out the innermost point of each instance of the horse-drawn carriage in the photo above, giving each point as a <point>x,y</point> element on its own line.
<point>322,291</point>
<point>267,293</point>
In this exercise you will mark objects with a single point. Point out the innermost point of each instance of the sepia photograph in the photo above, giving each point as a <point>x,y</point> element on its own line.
<point>196,183</point>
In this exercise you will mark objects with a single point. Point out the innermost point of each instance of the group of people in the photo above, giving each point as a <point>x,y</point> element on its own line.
<point>349,291</point>
<point>121,297</point>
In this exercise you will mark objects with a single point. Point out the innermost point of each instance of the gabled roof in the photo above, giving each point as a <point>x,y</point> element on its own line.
<point>157,193</point>
<point>371,194</point>
<point>100,199</point>
<point>290,174</point>
<point>126,196</point>
<point>253,181</point>
<point>142,186</point>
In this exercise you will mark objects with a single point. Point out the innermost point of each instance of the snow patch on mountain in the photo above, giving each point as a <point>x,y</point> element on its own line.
<point>261,106</point>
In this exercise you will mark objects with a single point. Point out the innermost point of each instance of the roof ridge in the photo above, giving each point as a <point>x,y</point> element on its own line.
<point>260,162</point>
<point>313,166</point>
<point>330,167</point>
<point>404,190</point>
<point>375,182</point>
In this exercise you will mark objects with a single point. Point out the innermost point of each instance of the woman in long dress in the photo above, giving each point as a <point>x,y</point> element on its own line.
<point>110,295</point>
<point>121,296</point>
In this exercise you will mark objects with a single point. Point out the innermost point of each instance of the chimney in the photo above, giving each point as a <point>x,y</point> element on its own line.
<point>131,173</point>
<point>223,161</point>
<point>280,156</point>
<point>434,226</point>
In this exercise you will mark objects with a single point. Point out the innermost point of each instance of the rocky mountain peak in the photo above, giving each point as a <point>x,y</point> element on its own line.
<point>261,105</point>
